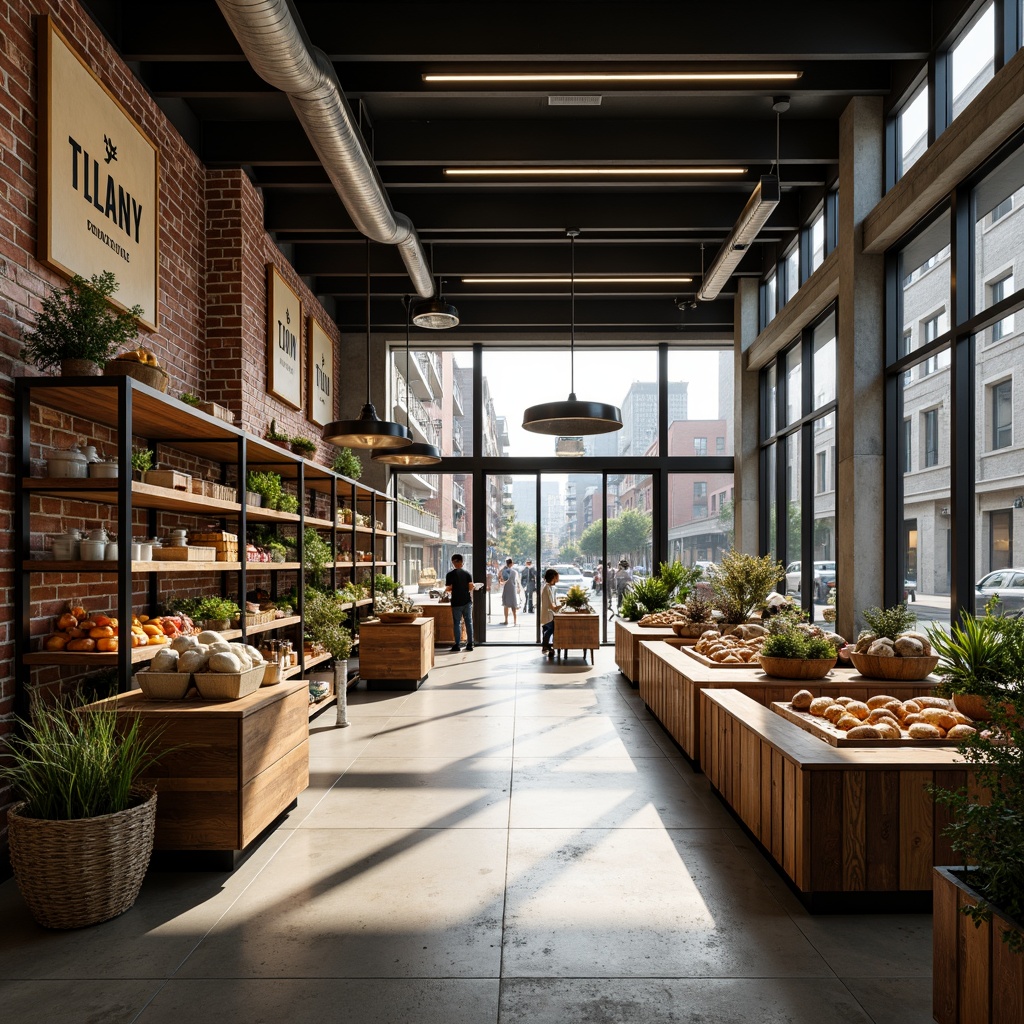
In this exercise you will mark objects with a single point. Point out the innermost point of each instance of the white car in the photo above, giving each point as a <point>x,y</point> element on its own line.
<point>569,576</point>
<point>824,574</point>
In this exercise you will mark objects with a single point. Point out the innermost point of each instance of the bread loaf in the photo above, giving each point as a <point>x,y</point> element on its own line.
<point>879,702</point>
<point>924,731</point>
<point>819,704</point>
<point>960,732</point>
<point>864,732</point>
<point>802,700</point>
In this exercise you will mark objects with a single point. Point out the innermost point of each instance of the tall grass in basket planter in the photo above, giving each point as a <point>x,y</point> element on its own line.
<point>82,831</point>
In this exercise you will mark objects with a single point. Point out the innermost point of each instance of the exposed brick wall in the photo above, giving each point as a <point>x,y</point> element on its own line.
<point>211,337</point>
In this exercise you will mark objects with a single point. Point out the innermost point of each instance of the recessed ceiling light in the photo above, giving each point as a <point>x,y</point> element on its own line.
<point>576,172</point>
<point>622,76</point>
<point>580,279</point>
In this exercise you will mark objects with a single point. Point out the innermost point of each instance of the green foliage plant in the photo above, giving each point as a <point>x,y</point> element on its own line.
<point>987,828</point>
<point>304,445</point>
<point>268,485</point>
<point>890,622</point>
<point>576,597</point>
<point>316,556</point>
<point>789,638</point>
<point>976,654</point>
<point>347,463</point>
<point>741,583</point>
<point>273,434</point>
<point>323,616</point>
<point>78,322</point>
<point>142,460</point>
<point>189,398</point>
<point>645,597</point>
<point>68,765</point>
<point>678,578</point>
<point>385,584</point>
<point>288,503</point>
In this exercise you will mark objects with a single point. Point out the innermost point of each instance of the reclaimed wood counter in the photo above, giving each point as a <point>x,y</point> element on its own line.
<point>231,768</point>
<point>628,636</point>
<point>396,655</point>
<point>843,823</point>
<point>576,631</point>
<point>671,681</point>
<point>441,613</point>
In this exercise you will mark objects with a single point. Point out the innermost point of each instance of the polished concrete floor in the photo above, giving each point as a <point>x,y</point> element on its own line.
<point>516,842</point>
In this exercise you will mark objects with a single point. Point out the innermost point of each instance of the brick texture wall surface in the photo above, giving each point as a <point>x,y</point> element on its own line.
<point>211,336</point>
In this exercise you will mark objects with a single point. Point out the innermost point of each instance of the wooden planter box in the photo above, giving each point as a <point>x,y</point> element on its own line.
<point>444,631</point>
<point>976,979</point>
<point>576,631</point>
<point>396,655</point>
<point>628,637</point>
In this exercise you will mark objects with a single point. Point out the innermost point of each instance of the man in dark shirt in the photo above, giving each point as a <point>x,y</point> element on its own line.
<point>529,581</point>
<point>459,584</point>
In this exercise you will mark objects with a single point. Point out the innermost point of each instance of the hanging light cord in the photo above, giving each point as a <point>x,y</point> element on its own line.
<point>367,320</point>
<point>408,304</point>
<point>572,233</point>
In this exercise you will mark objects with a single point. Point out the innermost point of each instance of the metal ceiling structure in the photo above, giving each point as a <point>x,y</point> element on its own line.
<point>187,56</point>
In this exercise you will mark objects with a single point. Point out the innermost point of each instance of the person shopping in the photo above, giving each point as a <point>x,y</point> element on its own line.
<point>459,584</point>
<point>529,581</point>
<point>510,592</point>
<point>548,604</point>
<point>623,577</point>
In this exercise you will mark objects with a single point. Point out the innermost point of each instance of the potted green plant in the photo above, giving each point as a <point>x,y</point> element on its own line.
<point>986,890</point>
<point>316,556</point>
<point>215,612</point>
<point>78,329</point>
<point>81,833</point>
<point>347,463</point>
<point>576,599</point>
<point>323,616</point>
<point>142,462</point>
<point>276,436</point>
<point>794,650</point>
<point>741,584</point>
<point>302,445</point>
<point>266,485</point>
<point>190,399</point>
<point>288,503</point>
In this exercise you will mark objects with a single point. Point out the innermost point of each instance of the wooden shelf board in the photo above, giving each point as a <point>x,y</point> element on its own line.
<point>139,654</point>
<point>271,566</point>
<point>320,524</point>
<point>149,496</point>
<point>263,627</point>
<point>269,515</point>
<point>46,565</point>
<point>296,670</point>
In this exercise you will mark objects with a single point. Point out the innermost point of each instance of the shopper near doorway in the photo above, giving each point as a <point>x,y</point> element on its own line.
<point>459,584</point>
<point>529,581</point>
<point>510,592</point>
<point>623,578</point>
<point>548,604</point>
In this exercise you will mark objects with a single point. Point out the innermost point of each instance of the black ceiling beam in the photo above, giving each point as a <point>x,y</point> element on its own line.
<point>452,142</point>
<point>638,213</point>
<point>869,28</point>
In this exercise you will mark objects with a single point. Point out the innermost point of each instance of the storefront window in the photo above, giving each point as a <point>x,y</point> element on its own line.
<point>824,361</point>
<point>972,60</point>
<point>703,423</point>
<point>912,131</point>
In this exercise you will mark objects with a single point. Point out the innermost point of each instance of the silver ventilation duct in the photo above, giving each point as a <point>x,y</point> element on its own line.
<point>275,44</point>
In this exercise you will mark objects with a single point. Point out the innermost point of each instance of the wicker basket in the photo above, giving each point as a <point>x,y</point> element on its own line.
<point>163,685</point>
<point>905,669</point>
<point>76,873</point>
<point>796,668</point>
<point>229,685</point>
<point>154,376</point>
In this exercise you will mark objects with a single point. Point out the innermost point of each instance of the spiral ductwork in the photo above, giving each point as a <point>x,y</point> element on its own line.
<point>276,46</point>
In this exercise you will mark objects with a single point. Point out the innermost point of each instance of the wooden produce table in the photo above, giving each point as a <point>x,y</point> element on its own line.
<point>628,636</point>
<point>396,655</point>
<point>576,631</point>
<point>671,681</point>
<point>844,824</point>
<point>441,613</point>
<point>235,766</point>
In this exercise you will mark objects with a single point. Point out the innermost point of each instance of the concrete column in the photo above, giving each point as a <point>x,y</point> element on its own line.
<point>746,417</point>
<point>861,327</point>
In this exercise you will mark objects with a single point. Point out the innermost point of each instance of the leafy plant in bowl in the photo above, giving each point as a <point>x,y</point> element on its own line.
<point>890,622</point>
<point>189,398</point>
<point>793,650</point>
<point>78,322</point>
<point>576,599</point>
<point>303,445</point>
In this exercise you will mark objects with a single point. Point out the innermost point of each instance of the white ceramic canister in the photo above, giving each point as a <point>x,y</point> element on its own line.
<point>65,546</point>
<point>92,550</point>
<point>70,463</point>
<point>90,453</point>
<point>99,534</point>
<point>136,551</point>
<point>111,552</point>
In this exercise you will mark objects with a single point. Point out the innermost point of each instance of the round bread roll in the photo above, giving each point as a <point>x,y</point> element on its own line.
<point>962,719</point>
<point>938,717</point>
<point>882,649</point>
<point>843,700</point>
<point>911,706</point>
<point>897,708</point>
<point>802,700</point>
<point>864,732</point>
<point>926,647</point>
<point>833,712</point>
<point>924,731</point>
<point>879,702</point>
<point>818,705</point>
<point>933,702</point>
<point>960,732</point>
<point>881,715</point>
<point>911,720</point>
<point>847,722</point>
<point>888,730</point>
<point>908,647</point>
<point>858,709</point>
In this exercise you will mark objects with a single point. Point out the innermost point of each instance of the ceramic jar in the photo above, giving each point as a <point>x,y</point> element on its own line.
<point>70,463</point>
<point>65,546</point>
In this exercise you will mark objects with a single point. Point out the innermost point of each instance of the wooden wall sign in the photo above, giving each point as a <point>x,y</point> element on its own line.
<point>99,182</point>
<point>320,386</point>
<point>284,334</point>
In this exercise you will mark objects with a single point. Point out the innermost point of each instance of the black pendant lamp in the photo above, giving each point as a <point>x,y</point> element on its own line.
<point>436,313</point>
<point>572,417</point>
<point>419,453</point>
<point>369,431</point>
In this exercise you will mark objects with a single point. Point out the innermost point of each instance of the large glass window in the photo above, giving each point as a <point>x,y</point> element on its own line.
<point>770,299</point>
<point>699,401</point>
<point>824,354</point>
<point>791,273</point>
<point>817,240</point>
<point>700,517</point>
<point>972,60</point>
<point>794,391</point>
<point>912,131</point>
<point>433,393</point>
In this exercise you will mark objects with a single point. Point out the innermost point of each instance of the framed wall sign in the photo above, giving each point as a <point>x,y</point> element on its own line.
<point>320,385</point>
<point>99,184</point>
<point>284,335</point>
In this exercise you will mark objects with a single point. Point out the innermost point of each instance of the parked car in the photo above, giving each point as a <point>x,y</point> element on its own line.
<point>1006,586</point>
<point>824,574</point>
<point>569,576</point>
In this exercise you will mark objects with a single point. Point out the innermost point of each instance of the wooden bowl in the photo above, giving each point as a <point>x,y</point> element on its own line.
<point>796,668</point>
<point>973,706</point>
<point>903,669</point>
<point>154,376</point>
<point>398,616</point>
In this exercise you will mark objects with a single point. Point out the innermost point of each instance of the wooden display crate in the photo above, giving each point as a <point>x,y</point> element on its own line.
<point>172,478</point>
<point>225,544</point>
<point>396,656</point>
<point>188,553</point>
<point>576,631</point>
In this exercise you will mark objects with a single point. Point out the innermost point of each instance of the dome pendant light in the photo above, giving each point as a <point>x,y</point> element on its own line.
<point>419,453</point>
<point>436,313</point>
<point>572,418</point>
<point>369,431</point>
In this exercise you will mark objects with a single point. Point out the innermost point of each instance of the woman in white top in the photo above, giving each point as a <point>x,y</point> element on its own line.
<point>548,604</point>
<point>510,591</point>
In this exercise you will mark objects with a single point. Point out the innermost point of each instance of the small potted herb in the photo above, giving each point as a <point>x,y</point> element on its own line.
<point>275,435</point>
<point>303,445</point>
<point>347,463</point>
<point>189,399</point>
<point>216,612</point>
<point>576,600</point>
<point>266,485</point>
<point>78,329</point>
<point>795,650</point>
<point>142,462</point>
